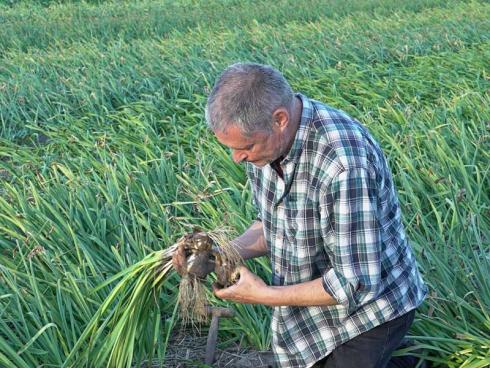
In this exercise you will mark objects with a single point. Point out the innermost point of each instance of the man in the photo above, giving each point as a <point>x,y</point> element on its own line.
<point>344,279</point>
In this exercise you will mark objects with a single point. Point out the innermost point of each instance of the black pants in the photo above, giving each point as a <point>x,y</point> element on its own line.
<point>373,348</point>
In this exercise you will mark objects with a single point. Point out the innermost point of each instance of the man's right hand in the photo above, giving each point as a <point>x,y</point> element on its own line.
<point>179,260</point>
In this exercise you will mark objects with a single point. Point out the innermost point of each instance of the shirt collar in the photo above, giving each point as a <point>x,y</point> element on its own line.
<point>300,137</point>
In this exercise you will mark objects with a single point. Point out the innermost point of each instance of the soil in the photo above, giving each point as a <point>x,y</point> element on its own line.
<point>187,350</point>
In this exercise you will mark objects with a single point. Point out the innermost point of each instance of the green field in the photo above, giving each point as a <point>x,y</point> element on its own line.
<point>105,155</point>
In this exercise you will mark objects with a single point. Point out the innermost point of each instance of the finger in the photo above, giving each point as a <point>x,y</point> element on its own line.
<point>181,248</point>
<point>179,259</point>
<point>219,292</point>
<point>177,256</point>
<point>216,287</point>
<point>223,293</point>
<point>180,251</point>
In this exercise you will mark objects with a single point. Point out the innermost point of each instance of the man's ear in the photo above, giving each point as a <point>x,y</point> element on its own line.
<point>280,118</point>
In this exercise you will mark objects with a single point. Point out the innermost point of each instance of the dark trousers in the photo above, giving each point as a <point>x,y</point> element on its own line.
<point>373,348</point>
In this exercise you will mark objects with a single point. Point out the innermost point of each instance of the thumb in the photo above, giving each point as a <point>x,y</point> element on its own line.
<point>216,287</point>
<point>219,291</point>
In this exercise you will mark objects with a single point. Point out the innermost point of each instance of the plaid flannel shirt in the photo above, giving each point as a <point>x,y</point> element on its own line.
<point>335,215</point>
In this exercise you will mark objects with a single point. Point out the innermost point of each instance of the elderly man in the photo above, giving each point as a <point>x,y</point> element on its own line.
<point>345,282</point>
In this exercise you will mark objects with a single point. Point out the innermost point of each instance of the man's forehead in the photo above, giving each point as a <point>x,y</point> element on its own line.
<point>233,137</point>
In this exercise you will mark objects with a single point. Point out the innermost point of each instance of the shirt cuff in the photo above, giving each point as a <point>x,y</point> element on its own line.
<point>340,289</point>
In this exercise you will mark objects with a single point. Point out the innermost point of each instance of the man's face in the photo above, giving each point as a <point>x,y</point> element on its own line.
<point>259,148</point>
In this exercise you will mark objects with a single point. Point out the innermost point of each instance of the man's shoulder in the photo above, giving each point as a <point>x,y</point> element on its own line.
<point>334,123</point>
<point>339,137</point>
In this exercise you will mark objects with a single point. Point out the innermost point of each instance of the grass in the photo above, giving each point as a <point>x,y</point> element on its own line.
<point>126,312</point>
<point>68,81</point>
<point>32,25</point>
<point>105,158</point>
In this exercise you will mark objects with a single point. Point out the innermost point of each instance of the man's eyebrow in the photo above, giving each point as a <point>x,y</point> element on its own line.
<point>242,148</point>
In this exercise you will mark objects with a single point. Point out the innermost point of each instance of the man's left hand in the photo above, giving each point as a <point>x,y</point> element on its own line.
<point>250,289</point>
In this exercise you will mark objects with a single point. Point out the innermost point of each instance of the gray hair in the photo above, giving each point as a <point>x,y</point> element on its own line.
<point>246,94</point>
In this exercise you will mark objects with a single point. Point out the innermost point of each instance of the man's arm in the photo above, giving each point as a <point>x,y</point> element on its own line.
<point>250,289</point>
<point>251,243</point>
<point>355,275</point>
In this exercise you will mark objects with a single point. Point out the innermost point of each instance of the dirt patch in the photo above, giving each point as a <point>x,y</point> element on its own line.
<point>187,351</point>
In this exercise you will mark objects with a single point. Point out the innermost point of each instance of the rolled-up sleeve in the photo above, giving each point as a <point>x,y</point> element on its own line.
<point>349,219</point>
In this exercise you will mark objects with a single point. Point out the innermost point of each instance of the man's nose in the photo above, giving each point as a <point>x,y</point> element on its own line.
<point>238,157</point>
